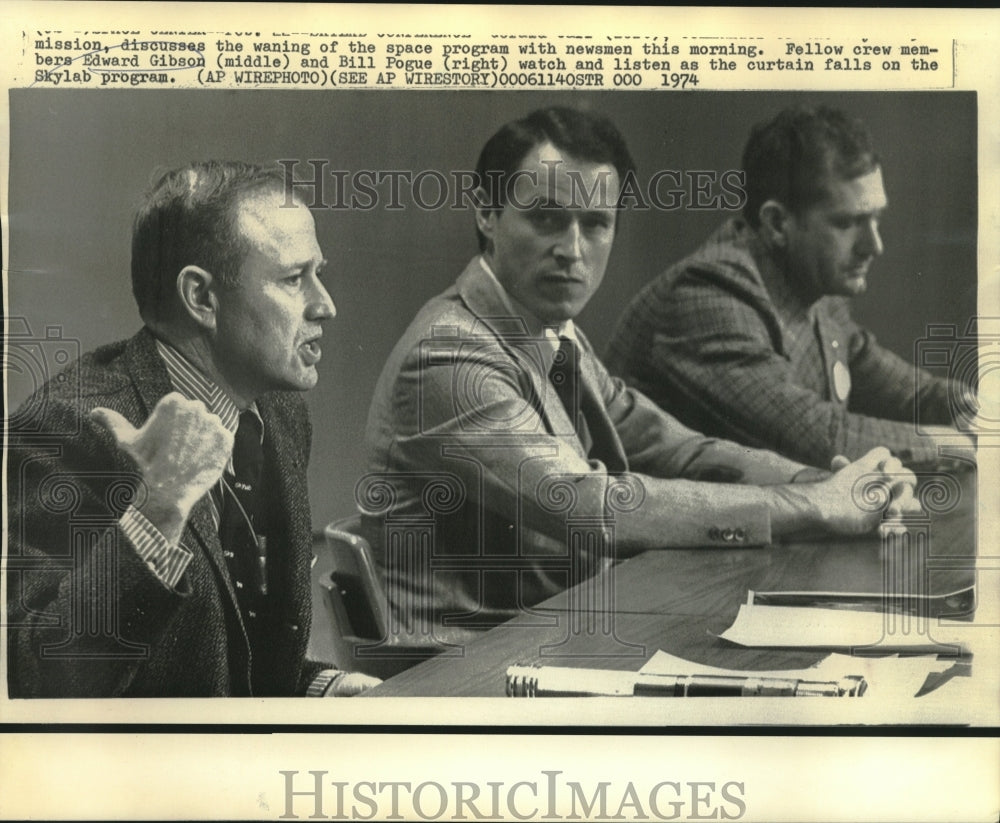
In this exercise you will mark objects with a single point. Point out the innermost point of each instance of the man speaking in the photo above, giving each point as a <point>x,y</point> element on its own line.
<point>159,526</point>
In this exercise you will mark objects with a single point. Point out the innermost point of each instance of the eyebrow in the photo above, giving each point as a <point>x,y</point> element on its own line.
<point>546,203</point>
<point>301,267</point>
<point>860,212</point>
<point>549,203</point>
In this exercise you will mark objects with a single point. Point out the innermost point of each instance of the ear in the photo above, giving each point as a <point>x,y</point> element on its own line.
<point>485,217</point>
<point>197,290</point>
<point>775,221</point>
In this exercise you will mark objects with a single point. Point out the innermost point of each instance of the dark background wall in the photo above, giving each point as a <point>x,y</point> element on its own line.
<point>80,159</point>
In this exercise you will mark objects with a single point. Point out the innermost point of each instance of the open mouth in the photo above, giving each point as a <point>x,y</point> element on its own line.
<point>312,351</point>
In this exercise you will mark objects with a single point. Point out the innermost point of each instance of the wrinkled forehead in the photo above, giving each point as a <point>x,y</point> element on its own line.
<point>281,230</point>
<point>267,214</point>
<point>862,194</point>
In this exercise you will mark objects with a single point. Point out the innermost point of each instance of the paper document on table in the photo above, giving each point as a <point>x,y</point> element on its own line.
<point>952,603</point>
<point>665,663</point>
<point>885,676</point>
<point>761,626</point>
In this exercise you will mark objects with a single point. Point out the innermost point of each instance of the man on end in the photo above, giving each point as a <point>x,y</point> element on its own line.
<point>751,336</point>
<point>160,535</point>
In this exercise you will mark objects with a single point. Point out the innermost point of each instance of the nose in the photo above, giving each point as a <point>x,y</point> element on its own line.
<point>320,306</point>
<point>568,245</point>
<point>870,241</point>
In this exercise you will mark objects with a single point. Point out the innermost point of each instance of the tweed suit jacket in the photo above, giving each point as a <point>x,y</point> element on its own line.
<point>473,457</point>
<point>721,341</point>
<point>86,617</point>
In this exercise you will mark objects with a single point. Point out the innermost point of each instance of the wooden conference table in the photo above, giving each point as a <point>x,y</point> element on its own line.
<point>677,600</point>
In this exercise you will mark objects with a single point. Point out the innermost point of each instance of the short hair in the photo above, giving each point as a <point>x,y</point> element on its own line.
<point>188,217</point>
<point>791,158</point>
<point>581,134</point>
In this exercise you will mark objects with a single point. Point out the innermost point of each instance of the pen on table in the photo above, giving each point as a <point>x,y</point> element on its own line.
<point>559,681</point>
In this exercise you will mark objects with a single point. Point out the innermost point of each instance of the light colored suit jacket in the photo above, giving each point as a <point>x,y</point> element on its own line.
<point>481,500</point>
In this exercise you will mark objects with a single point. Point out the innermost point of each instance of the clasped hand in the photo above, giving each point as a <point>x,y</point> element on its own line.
<point>875,489</point>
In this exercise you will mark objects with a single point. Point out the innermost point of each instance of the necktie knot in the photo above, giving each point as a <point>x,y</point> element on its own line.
<point>565,375</point>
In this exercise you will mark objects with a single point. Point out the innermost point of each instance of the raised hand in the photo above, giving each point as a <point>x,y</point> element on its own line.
<point>180,452</point>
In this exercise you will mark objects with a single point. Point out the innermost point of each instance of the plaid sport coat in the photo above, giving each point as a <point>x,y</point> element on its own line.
<point>721,341</point>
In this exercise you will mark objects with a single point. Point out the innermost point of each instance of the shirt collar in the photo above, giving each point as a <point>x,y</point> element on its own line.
<point>786,300</point>
<point>190,382</point>
<point>552,334</point>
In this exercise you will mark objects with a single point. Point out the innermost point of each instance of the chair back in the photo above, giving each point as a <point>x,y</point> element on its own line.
<point>355,634</point>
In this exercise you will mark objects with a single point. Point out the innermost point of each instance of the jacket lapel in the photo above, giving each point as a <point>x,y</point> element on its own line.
<point>607,445</point>
<point>839,392</point>
<point>493,317</point>
<point>152,382</point>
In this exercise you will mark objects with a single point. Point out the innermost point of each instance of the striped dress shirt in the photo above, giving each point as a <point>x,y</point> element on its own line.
<point>166,560</point>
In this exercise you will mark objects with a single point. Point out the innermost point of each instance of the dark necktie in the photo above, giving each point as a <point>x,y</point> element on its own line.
<point>240,516</point>
<point>565,378</point>
<point>585,408</point>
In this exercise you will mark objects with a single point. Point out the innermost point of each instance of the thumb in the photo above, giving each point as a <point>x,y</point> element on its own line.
<point>838,463</point>
<point>121,430</point>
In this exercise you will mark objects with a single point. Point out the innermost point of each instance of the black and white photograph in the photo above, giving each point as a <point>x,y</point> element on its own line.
<point>562,410</point>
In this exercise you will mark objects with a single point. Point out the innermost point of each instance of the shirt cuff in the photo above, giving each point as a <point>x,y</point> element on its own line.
<point>322,682</point>
<point>166,561</point>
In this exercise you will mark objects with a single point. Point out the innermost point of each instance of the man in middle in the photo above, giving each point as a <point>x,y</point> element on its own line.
<point>493,424</point>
